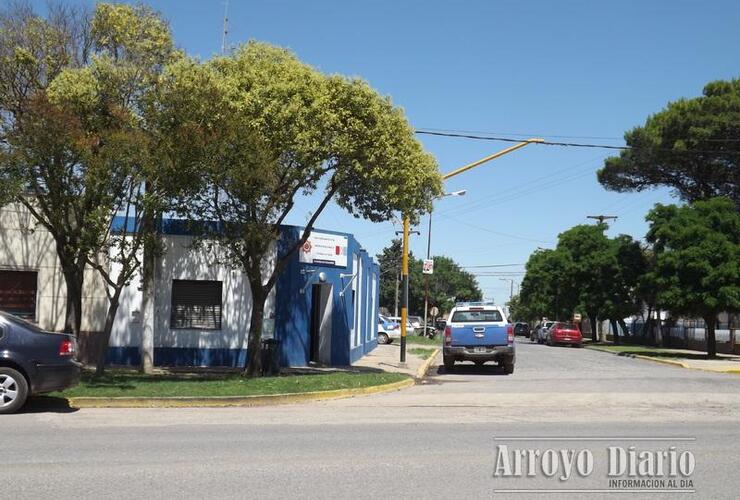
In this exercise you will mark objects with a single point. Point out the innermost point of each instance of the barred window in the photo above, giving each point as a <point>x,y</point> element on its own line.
<point>18,293</point>
<point>196,304</point>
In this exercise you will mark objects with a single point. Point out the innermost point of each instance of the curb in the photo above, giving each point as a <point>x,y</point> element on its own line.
<point>680,364</point>
<point>231,401</point>
<point>424,368</point>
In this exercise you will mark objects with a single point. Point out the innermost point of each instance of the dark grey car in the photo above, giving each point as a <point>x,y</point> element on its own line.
<point>33,361</point>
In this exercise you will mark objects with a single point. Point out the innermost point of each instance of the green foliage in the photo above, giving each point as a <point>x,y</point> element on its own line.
<point>268,129</point>
<point>688,146</point>
<point>74,98</point>
<point>697,248</point>
<point>448,284</point>
<point>587,272</point>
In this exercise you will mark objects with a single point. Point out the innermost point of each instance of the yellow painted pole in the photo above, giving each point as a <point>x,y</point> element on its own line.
<point>405,287</point>
<point>405,254</point>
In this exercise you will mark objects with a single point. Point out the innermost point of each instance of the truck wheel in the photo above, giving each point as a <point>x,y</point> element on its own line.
<point>508,366</point>
<point>13,390</point>
<point>449,364</point>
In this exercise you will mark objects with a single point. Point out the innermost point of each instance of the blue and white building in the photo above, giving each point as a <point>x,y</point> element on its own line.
<point>323,308</point>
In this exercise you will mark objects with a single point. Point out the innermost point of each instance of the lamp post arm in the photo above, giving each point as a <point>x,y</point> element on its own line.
<point>467,167</point>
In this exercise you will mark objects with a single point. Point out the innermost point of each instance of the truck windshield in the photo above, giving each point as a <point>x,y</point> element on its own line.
<point>491,315</point>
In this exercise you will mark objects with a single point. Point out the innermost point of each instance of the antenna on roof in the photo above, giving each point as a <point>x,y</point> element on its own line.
<point>226,28</point>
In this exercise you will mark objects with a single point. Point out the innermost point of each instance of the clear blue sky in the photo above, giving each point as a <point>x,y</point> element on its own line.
<point>584,69</point>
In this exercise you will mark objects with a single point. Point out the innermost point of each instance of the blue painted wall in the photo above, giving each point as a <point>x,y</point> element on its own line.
<point>293,309</point>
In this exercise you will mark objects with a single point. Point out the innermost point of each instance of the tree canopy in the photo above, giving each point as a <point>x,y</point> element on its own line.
<point>697,269</point>
<point>74,87</point>
<point>279,129</point>
<point>448,284</point>
<point>691,146</point>
<point>586,272</point>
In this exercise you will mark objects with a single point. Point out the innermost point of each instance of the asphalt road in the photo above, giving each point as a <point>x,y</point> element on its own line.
<point>440,439</point>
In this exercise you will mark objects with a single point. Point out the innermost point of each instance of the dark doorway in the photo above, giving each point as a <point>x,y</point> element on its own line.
<point>319,349</point>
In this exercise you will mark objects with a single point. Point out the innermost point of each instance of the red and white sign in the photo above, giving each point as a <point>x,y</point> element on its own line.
<point>324,248</point>
<point>428,266</point>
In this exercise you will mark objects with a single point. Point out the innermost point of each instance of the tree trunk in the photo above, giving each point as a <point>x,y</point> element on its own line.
<point>105,341</point>
<point>592,321</point>
<point>711,322</point>
<point>624,327</point>
<point>74,279</point>
<point>253,359</point>
<point>615,331</point>
<point>147,311</point>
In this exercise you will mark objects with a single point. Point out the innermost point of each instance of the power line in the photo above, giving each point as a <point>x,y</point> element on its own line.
<point>564,144</point>
<point>422,130</point>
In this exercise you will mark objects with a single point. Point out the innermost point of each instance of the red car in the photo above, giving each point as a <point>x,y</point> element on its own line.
<point>564,333</point>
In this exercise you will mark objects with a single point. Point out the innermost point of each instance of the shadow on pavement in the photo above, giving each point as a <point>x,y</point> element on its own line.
<point>472,369</point>
<point>47,404</point>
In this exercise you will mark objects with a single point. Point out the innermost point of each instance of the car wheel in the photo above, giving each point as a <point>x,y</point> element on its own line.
<point>532,338</point>
<point>549,341</point>
<point>383,338</point>
<point>508,367</point>
<point>13,390</point>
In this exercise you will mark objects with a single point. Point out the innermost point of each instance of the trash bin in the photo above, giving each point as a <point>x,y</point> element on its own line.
<point>270,357</point>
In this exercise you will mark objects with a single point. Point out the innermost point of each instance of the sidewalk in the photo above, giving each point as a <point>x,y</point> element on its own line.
<point>685,358</point>
<point>386,357</point>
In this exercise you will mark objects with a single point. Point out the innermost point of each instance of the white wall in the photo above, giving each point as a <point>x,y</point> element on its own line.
<point>181,261</point>
<point>27,246</point>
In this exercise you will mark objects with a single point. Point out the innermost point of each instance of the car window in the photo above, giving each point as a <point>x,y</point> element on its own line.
<point>567,326</point>
<point>489,315</point>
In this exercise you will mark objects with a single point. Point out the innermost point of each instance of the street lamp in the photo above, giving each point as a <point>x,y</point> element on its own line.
<point>460,192</point>
<point>405,244</point>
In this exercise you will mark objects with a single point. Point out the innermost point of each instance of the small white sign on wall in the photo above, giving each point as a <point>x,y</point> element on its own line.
<point>324,248</point>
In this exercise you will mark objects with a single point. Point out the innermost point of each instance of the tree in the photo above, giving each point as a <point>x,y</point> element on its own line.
<point>283,129</point>
<point>690,146</point>
<point>697,269</point>
<point>77,150</point>
<point>547,287</point>
<point>41,143</point>
<point>449,282</point>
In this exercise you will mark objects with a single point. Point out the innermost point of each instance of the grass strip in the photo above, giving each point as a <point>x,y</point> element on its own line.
<point>122,384</point>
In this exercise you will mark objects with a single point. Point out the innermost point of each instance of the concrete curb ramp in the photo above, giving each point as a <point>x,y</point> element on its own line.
<point>672,362</point>
<point>225,401</point>
<point>424,368</point>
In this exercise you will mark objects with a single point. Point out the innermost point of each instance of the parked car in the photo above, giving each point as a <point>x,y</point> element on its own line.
<point>539,333</point>
<point>564,333</point>
<point>387,330</point>
<point>409,325</point>
<point>478,332</point>
<point>521,329</point>
<point>33,361</point>
<point>416,322</point>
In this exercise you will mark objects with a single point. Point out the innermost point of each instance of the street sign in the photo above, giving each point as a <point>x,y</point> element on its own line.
<point>428,266</point>
<point>576,317</point>
<point>434,311</point>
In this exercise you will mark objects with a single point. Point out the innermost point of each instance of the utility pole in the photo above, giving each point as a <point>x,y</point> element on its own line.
<point>461,192</point>
<point>405,268</point>
<point>225,34</point>
<point>602,218</point>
